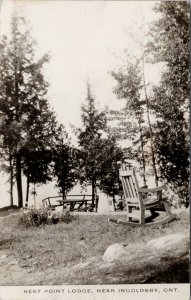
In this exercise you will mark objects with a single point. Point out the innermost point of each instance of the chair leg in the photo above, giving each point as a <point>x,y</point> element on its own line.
<point>142,216</point>
<point>154,213</point>
<point>152,210</point>
<point>129,211</point>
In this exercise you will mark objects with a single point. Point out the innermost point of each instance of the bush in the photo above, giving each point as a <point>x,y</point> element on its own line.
<point>173,198</point>
<point>42,216</point>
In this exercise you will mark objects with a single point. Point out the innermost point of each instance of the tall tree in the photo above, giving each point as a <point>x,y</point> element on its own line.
<point>90,142</point>
<point>170,44</point>
<point>23,95</point>
<point>129,87</point>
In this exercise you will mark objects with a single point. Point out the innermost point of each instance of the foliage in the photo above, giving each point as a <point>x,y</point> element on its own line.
<point>129,87</point>
<point>170,100</point>
<point>91,142</point>
<point>121,125</point>
<point>26,119</point>
<point>170,43</point>
<point>64,158</point>
<point>99,152</point>
<point>109,180</point>
<point>34,217</point>
<point>37,217</point>
<point>36,165</point>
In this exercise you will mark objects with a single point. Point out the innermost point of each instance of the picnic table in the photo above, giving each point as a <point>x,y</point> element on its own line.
<point>80,202</point>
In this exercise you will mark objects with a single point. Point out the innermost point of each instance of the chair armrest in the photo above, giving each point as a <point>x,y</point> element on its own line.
<point>144,195</point>
<point>157,189</point>
<point>144,186</point>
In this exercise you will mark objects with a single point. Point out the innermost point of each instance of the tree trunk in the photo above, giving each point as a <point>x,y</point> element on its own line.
<point>142,152</point>
<point>11,179</point>
<point>19,180</point>
<point>114,199</point>
<point>27,192</point>
<point>63,191</point>
<point>149,124</point>
<point>34,195</point>
<point>93,191</point>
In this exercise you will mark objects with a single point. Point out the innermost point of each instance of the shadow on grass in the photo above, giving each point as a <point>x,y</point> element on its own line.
<point>7,210</point>
<point>178,273</point>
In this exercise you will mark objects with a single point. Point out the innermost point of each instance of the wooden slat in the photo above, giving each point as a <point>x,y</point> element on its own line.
<point>132,186</point>
<point>127,183</point>
<point>125,187</point>
<point>129,188</point>
<point>74,200</point>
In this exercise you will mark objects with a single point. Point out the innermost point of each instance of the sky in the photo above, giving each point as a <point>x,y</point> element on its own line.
<point>86,41</point>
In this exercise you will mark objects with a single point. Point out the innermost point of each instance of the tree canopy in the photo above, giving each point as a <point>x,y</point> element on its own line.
<point>27,122</point>
<point>170,44</point>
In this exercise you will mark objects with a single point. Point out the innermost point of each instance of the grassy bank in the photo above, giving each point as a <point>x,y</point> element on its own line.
<point>63,245</point>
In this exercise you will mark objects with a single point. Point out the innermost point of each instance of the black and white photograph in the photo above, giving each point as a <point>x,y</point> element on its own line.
<point>94,149</point>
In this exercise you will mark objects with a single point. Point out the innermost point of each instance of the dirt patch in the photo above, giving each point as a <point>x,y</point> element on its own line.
<point>11,272</point>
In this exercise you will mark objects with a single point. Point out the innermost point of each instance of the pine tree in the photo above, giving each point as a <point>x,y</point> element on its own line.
<point>91,142</point>
<point>23,99</point>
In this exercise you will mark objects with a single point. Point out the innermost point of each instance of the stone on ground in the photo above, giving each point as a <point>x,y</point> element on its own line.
<point>113,252</point>
<point>175,244</point>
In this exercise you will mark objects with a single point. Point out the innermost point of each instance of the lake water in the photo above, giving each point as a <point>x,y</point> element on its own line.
<point>49,190</point>
<point>44,191</point>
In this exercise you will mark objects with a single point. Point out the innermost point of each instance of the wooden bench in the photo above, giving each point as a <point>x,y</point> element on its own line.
<point>80,202</point>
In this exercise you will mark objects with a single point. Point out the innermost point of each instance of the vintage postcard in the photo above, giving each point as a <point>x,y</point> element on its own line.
<point>94,149</point>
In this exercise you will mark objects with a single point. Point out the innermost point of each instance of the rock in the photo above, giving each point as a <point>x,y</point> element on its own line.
<point>114,252</point>
<point>11,263</point>
<point>3,256</point>
<point>169,241</point>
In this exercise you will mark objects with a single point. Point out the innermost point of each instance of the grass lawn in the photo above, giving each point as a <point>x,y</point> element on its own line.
<point>41,254</point>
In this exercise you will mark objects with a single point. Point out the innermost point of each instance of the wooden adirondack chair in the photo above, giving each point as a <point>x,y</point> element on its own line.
<point>137,201</point>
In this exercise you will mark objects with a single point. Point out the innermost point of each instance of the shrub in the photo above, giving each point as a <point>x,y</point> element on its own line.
<point>34,217</point>
<point>173,198</point>
<point>42,216</point>
<point>67,217</point>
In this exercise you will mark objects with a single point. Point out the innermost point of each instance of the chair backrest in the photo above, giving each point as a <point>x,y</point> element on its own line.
<point>130,184</point>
